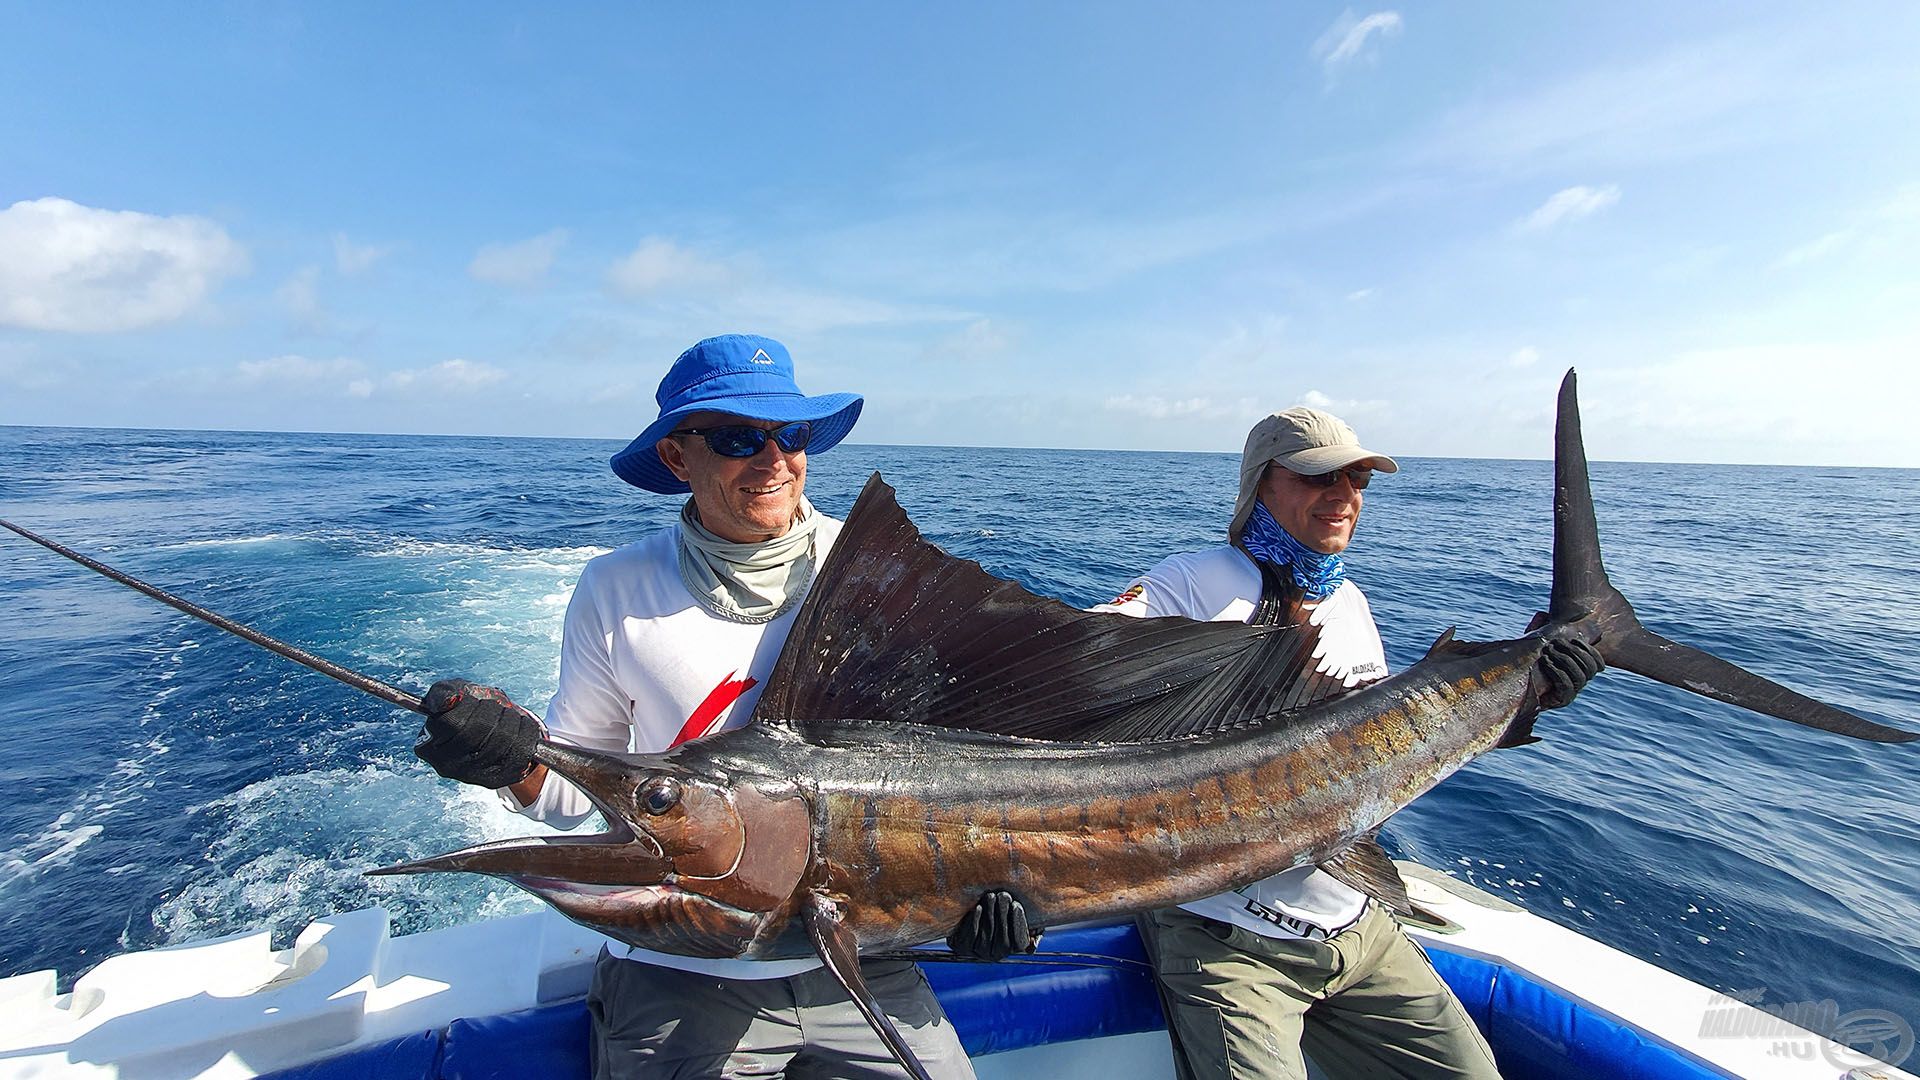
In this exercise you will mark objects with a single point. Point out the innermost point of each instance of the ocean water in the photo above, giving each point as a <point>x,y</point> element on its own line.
<point>169,783</point>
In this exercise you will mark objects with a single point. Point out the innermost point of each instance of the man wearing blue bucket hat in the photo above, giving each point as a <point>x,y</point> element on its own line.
<point>669,639</point>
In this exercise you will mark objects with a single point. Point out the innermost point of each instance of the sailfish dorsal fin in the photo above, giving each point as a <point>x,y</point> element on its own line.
<point>894,628</point>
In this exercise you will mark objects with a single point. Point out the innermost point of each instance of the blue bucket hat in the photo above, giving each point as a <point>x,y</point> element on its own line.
<point>742,374</point>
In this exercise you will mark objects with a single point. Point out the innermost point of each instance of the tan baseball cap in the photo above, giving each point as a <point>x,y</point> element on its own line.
<point>1305,440</point>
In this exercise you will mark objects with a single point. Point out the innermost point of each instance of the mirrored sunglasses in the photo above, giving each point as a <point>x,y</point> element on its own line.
<point>742,440</point>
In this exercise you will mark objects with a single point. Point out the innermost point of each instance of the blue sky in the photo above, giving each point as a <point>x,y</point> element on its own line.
<point>1109,225</point>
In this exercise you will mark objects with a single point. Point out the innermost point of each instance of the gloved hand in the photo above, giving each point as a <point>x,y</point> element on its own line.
<point>476,734</point>
<point>993,930</point>
<point>1566,664</point>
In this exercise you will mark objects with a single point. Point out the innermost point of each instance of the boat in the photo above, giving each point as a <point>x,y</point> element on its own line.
<point>505,998</point>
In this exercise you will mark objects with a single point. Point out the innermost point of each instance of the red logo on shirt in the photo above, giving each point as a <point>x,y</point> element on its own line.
<point>706,718</point>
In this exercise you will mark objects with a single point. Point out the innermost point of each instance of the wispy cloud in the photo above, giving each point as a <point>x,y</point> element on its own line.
<point>1885,224</point>
<point>993,252</point>
<point>979,339</point>
<point>1815,250</point>
<point>675,280</point>
<point>458,376</point>
<point>1523,357</point>
<point>1571,204</point>
<point>350,258</point>
<point>293,372</point>
<point>294,368</point>
<point>74,268</point>
<point>521,264</point>
<point>1345,408</point>
<point>299,296</point>
<point>659,263</point>
<point>1158,408</point>
<point>1348,39</point>
<point>1692,101</point>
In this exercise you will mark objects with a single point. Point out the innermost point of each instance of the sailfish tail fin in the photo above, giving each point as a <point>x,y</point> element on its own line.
<point>1586,604</point>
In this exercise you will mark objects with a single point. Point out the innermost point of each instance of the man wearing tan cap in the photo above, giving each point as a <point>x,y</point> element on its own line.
<point>1238,971</point>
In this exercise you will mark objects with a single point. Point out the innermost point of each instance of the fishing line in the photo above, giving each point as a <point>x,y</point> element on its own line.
<point>365,683</point>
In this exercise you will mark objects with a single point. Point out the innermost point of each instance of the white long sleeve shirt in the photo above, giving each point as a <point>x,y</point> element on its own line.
<point>643,668</point>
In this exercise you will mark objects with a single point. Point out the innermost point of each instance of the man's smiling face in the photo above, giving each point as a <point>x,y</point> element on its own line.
<point>745,500</point>
<point>1322,518</point>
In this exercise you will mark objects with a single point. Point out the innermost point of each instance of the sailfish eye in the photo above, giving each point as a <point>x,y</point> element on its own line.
<point>659,795</point>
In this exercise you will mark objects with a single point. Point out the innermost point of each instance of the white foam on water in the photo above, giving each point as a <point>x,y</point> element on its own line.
<point>488,613</point>
<point>294,848</point>
<point>237,541</point>
<point>55,846</point>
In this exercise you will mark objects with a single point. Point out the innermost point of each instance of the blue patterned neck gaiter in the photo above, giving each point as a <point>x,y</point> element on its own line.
<point>1316,574</point>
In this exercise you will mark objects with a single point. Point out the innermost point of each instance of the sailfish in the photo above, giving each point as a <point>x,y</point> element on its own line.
<point>931,733</point>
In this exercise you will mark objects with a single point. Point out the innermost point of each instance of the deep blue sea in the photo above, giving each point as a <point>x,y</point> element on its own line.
<point>166,782</point>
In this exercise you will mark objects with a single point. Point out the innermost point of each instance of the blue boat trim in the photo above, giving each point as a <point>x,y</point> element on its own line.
<point>1537,1032</point>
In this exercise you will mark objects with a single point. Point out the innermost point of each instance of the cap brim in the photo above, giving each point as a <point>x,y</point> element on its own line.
<point>832,416</point>
<point>1326,459</point>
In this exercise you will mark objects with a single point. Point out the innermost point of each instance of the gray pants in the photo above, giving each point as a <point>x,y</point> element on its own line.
<point>1364,1003</point>
<point>656,1023</point>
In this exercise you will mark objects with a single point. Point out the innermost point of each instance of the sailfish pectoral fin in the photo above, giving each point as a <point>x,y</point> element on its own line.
<point>838,950</point>
<point>1365,867</point>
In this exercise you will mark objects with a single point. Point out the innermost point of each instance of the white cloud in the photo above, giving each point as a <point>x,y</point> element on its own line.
<point>704,290</point>
<point>68,267</point>
<point>293,368</point>
<point>613,392</point>
<point>1345,408</point>
<point>996,251</point>
<point>520,264</point>
<point>1525,356</point>
<point>300,296</point>
<point>456,376</point>
<point>1818,249</point>
<point>1697,99</point>
<point>1154,407</point>
<point>980,337</point>
<point>352,377</point>
<point>351,258</point>
<point>1571,204</point>
<point>1881,227</point>
<point>1765,403</point>
<point>658,264</point>
<point>1346,40</point>
<point>1359,294</point>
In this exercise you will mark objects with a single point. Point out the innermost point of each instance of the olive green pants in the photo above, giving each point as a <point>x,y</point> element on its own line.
<point>660,1024</point>
<point>1364,1003</point>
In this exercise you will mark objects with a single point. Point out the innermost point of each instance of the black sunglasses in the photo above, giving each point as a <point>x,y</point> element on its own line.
<point>1359,478</point>
<point>743,440</point>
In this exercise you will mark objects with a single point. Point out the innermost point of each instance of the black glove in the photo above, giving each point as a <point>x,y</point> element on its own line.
<point>1565,665</point>
<point>476,735</point>
<point>993,930</point>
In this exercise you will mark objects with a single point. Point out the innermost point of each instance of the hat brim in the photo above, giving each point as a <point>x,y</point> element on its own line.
<point>1326,459</point>
<point>832,416</point>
